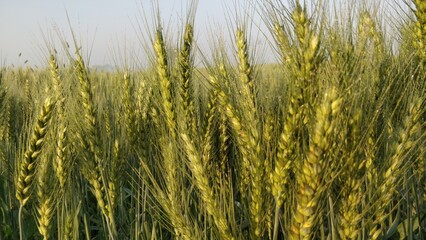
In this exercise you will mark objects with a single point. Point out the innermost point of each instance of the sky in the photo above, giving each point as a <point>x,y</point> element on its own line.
<point>103,27</point>
<point>103,24</point>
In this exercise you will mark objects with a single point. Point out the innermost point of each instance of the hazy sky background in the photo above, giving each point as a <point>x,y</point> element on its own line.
<point>103,22</point>
<point>107,24</point>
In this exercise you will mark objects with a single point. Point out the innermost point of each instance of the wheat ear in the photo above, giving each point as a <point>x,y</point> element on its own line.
<point>60,162</point>
<point>45,196</point>
<point>92,167</point>
<point>129,108</point>
<point>202,183</point>
<point>420,29</point>
<point>397,165</point>
<point>27,167</point>
<point>165,82</point>
<point>309,180</point>
<point>185,62</point>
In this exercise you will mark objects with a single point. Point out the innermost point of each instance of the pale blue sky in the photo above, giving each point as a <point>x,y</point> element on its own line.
<point>106,23</point>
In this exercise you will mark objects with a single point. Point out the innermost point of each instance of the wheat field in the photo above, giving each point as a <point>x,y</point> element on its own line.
<point>329,142</point>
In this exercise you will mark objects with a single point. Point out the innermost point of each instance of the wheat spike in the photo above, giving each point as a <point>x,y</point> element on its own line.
<point>165,82</point>
<point>202,182</point>
<point>45,197</point>
<point>28,165</point>
<point>309,178</point>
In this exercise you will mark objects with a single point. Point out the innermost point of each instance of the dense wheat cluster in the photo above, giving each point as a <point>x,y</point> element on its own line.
<point>328,143</point>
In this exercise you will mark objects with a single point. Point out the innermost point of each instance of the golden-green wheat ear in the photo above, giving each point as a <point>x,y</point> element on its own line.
<point>208,136</point>
<point>249,113</point>
<point>92,168</point>
<point>128,108</point>
<point>185,62</point>
<point>143,100</point>
<point>181,228</point>
<point>268,153</point>
<point>28,164</point>
<point>165,82</point>
<point>370,49</point>
<point>348,140</point>
<point>87,101</point>
<point>398,162</point>
<point>245,69</point>
<point>243,139</point>
<point>54,73</point>
<point>27,167</point>
<point>283,161</point>
<point>284,46</point>
<point>28,94</point>
<point>308,53</point>
<point>45,196</point>
<point>420,29</point>
<point>224,142</point>
<point>202,182</point>
<point>350,217</point>
<point>115,174</point>
<point>60,162</point>
<point>368,29</point>
<point>179,221</point>
<point>5,129</point>
<point>228,121</point>
<point>309,177</point>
